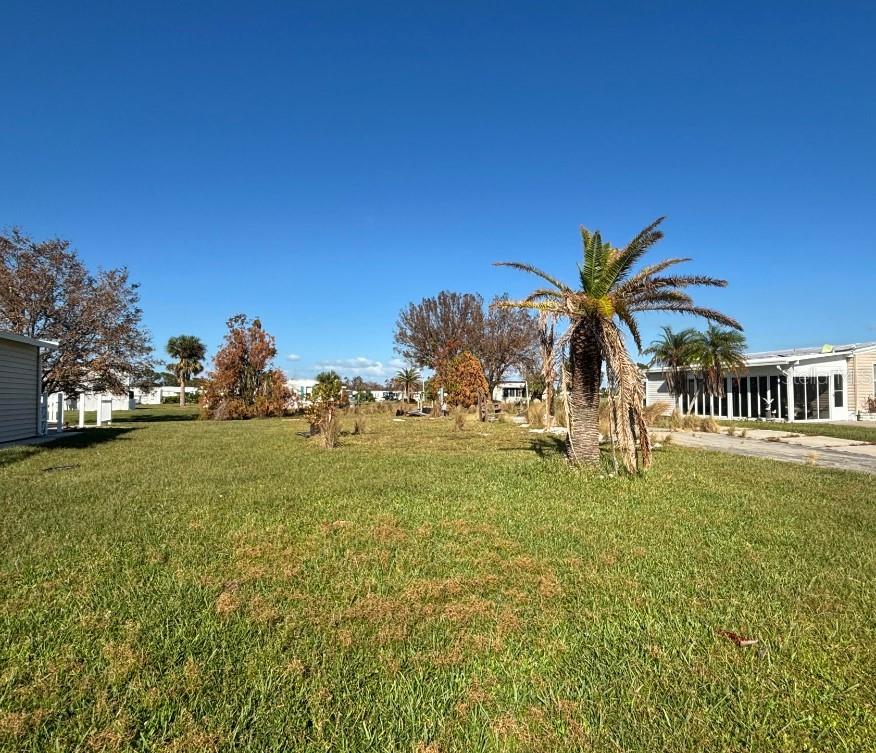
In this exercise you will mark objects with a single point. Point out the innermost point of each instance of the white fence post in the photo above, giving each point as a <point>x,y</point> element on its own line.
<point>44,415</point>
<point>59,417</point>
<point>81,410</point>
<point>109,410</point>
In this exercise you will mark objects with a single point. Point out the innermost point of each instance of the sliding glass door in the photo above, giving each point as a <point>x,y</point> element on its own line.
<point>811,398</point>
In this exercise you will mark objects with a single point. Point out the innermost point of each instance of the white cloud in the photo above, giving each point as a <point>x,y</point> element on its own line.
<point>358,366</point>
<point>293,357</point>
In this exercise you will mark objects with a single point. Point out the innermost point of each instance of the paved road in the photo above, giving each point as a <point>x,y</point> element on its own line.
<point>822,451</point>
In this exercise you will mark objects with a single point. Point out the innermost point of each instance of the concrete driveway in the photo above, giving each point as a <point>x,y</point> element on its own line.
<point>828,452</point>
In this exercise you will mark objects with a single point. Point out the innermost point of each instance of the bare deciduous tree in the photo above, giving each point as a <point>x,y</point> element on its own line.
<point>47,292</point>
<point>509,341</point>
<point>441,328</point>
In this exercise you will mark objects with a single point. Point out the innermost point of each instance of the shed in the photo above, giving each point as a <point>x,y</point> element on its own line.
<point>21,413</point>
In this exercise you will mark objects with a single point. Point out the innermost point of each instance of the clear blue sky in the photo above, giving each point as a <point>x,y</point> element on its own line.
<point>321,164</point>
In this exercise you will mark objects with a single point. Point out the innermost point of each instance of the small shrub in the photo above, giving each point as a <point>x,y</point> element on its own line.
<point>676,420</point>
<point>655,411</point>
<point>871,404</point>
<point>329,430</point>
<point>690,422</point>
<point>731,431</point>
<point>535,414</point>
<point>459,419</point>
<point>360,425</point>
<point>743,433</point>
<point>709,425</point>
<point>191,399</point>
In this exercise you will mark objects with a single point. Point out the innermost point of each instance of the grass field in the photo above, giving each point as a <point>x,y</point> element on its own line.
<point>863,432</point>
<point>179,585</point>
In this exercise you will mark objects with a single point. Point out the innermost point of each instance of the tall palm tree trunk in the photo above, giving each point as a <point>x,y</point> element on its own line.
<point>182,391</point>
<point>549,404</point>
<point>586,375</point>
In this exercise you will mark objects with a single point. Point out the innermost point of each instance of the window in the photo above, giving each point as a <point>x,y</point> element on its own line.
<point>838,390</point>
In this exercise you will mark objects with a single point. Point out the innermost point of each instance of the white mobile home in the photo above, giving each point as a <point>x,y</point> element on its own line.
<point>22,409</point>
<point>510,391</point>
<point>829,383</point>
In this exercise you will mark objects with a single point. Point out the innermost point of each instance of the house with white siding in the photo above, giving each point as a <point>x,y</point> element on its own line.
<point>510,391</point>
<point>22,406</point>
<point>827,383</point>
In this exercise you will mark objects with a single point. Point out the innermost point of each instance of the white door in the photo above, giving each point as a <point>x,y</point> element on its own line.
<point>838,406</point>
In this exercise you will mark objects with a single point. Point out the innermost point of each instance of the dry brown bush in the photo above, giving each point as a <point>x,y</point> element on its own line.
<point>535,414</point>
<point>654,411</point>
<point>709,425</point>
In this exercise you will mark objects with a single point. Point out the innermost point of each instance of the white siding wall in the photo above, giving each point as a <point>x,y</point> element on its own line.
<point>657,391</point>
<point>19,381</point>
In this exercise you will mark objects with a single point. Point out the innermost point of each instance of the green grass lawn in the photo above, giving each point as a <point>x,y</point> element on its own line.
<point>182,585</point>
<point>865,432</point>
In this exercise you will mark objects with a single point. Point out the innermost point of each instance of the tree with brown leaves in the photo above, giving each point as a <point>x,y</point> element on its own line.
<point>46,292</point>
<point>244,383</point>
<point>463,379</point>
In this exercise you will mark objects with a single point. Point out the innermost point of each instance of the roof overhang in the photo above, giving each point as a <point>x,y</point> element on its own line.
<point>36,342</point>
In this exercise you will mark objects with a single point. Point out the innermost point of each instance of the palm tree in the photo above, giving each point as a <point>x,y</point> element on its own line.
<point>546,346</point>
<point>715,352</point>
<point>189,353</point>
<point>406,380</point>
<point>674,352</point>
<point>607,295</point>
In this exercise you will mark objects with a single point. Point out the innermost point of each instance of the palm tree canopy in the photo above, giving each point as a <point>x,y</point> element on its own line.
<point>189,352</point>
<point>407,377</point>
<point>608,287</point>
<point>719,348</point>
<point>672,349</point>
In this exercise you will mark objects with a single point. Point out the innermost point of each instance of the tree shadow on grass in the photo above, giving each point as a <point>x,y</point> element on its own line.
<point>79,441</point>
<point>548,445</point>
<point>552,446</point>
<point>153,418</point>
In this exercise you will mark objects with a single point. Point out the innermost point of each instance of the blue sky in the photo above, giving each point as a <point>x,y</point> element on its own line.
<point>321,164</point>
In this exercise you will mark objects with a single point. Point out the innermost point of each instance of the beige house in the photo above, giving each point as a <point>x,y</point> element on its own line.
<point>862,377</point>
<point>22,406</point>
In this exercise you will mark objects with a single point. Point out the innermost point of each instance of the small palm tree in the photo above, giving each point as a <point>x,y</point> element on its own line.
<point>674,352</point>
<point>608,294</point>
<point>406,380</point>
<point>715,352</point>
<point>189,353</point>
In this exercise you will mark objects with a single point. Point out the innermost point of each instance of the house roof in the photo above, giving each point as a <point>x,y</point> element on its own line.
<point>782,355</point>
<point>36,342</point>
<point>786,355</point>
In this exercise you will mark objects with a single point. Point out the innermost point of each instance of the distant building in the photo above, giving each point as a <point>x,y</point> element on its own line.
<point>510,391</point>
